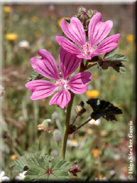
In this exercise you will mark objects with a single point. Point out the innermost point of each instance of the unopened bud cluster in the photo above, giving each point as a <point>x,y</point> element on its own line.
<point>85,16</point>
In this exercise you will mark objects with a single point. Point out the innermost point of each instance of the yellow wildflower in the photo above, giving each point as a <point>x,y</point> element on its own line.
<point>11,36</point>
<point>13,157</point>
<point>34,19</point>
<point>130,38</point>
<point>113,77</point>
<point>59,21</point>
<point>36,33</point>
<point>95,152</point>
<point>92,93</point>
<point>7,9</point>
<point>49,44</point>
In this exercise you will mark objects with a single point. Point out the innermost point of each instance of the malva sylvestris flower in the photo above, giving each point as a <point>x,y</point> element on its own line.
<point>95,45</point>
<point>47,67</point>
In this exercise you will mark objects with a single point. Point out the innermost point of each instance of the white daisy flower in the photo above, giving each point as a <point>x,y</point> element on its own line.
<point>24,44</point>
<point>3,178</point>
<point>101,178</point>
<point>21,176</point>
<point>94,122</point>
<point>72,142</point>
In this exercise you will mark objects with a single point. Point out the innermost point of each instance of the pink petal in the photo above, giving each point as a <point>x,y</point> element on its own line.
<point>40,89</point>
<point>68,63</point>
<point>61,98</point>
<point>46,66</point>
<point>68,45</point>
<point>79,82</point>
<point>98,30</point>
<point>74,31</point>
<point>107,44</point>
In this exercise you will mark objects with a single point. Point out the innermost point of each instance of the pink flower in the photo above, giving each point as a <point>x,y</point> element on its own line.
<point>46,66</point>
<point>96,43</point>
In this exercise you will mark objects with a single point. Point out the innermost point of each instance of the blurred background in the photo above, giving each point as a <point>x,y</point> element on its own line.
<point>99,148</point>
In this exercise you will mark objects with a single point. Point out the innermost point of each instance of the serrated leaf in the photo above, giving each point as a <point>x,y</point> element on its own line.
<point>39,168</point>
<point>34,76</point>
<point>102,108</point>
<point>111,53</point>
<point>116,65</point>
<point>59,164</point>
<point>114,60</point>
<point>19,164</point>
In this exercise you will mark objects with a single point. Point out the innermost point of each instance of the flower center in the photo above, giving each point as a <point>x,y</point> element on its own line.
<point>61,83</point>
<point>87,49</point>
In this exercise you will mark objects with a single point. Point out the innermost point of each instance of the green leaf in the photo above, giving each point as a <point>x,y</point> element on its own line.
<point>19,165</point>
<point>113,55</point>
<point>34,76</point>
<point>102,108</point>
<point>116,65</point>
<point>114,60</point>
<point>46,168</point>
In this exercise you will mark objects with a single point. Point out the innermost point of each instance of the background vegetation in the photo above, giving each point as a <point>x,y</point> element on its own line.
<point>98,149</point>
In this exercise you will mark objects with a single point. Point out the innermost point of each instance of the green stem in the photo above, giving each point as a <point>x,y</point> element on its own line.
<point>83,124</point>
<point>75,119</point>
<point>66,127</point>
<point>39,141</point>
<point>91,65</point>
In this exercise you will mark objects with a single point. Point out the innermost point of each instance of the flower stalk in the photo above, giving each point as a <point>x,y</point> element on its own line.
<point>66,127</point>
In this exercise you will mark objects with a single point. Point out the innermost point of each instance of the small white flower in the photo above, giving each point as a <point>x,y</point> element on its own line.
<point>72,142</point>
<point>101,178</point>
<point>21,176</point>
<point>94,122</point>
<point>3,178</point>
<point>24,44</point>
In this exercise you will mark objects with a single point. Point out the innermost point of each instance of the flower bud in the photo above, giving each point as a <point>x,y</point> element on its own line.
<point>54,115</point>
<point>91,12</point>
<point>54,153</point>
<point>57,135</point>
<point>45,125</point>
<point>81,9</point>
<point>75,169</point>
<point>80,109</point>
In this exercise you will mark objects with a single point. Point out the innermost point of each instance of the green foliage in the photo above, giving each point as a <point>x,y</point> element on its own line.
<point>114,60</point>
<point>102,108</point>
<point>47,169</point>
<point>40,166</point>
<point>19,165</point>
<point>34,76</point>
